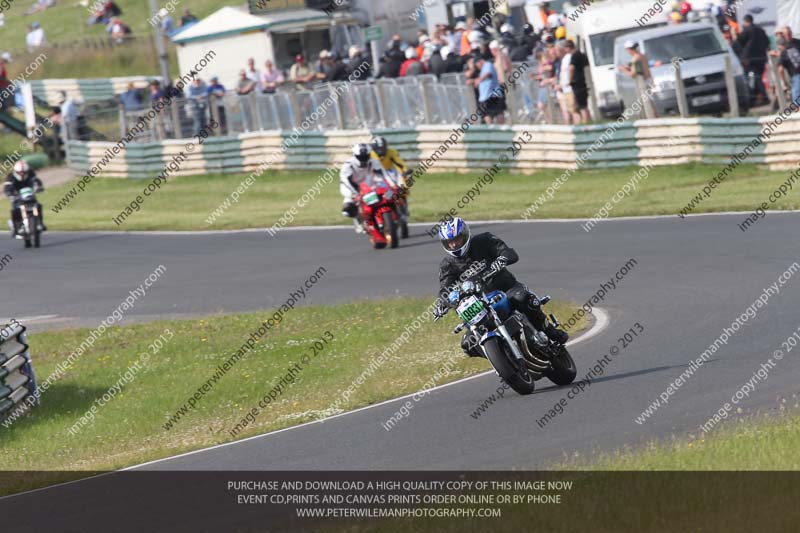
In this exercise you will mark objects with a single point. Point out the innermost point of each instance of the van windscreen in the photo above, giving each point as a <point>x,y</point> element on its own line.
<point>689,45</point>
<point>603,44</point>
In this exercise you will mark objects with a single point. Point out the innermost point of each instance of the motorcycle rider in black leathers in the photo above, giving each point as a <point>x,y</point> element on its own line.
<point>464,252</point>
<point>22,176</point>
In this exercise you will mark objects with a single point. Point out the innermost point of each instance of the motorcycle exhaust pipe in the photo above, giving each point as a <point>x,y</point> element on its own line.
<point>534,363</point>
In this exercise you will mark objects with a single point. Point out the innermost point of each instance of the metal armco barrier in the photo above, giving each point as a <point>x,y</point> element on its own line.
<point>17,379</point>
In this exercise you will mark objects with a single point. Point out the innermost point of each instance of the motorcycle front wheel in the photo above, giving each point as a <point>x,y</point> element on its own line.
<point>564,370</point>
<point>390,230</point>
<point>404,222</point>
<point>499,355</point>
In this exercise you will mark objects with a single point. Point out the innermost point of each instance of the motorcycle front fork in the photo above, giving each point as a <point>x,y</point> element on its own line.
<point>26,222</point>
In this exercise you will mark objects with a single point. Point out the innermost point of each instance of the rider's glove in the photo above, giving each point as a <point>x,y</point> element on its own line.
<point>500,263</point>
<point>439,311</point>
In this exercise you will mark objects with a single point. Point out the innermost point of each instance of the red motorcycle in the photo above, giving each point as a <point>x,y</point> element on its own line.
<point>379,216</point>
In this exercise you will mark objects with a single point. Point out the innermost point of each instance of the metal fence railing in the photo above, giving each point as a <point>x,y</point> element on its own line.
<point>374,104</point>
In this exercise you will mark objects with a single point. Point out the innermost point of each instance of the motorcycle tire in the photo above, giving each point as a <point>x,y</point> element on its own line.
<point>390,230</point>
<point>517,378</point>
<point>37,238</point>
<point>564,370</point>
<point>404,222</point>
<point>27,242</point>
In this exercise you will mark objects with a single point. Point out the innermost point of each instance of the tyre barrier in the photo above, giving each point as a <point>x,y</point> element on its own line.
<point>17,378</point>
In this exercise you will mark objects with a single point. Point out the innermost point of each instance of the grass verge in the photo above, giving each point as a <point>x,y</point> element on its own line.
<point>130,427</point>
<point>756,443</point>
<point>65,29</point>
<point>185,203</point>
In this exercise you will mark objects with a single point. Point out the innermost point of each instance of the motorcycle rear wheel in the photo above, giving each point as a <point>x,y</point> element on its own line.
<point>517,378</point>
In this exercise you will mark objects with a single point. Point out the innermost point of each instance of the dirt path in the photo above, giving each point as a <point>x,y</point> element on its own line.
<point>54,176</point>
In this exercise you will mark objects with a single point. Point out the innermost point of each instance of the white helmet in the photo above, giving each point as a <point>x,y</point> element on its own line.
<point>353,51</point>
<point>444,51</point>
<point>21,170</point>
<point>506,28</point>
<point>362,152</point>
<point>411,52</point>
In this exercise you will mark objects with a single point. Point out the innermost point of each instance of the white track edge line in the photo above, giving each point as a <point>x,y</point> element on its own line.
<point>426,224</point>
<point>602,321</point>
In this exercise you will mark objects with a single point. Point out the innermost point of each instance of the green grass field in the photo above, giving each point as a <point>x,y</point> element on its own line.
<point>130,429</point>
<point>756,443</point>
<point>185,203</point>
<point>66,23</point>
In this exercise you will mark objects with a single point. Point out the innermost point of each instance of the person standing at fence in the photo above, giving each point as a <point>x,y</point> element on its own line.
<point>216,95</point>
<point>412,65</point>
<point>438,61</point>
<point>131,99</point>
<point>453,37</point>
<point>394,57</point>
<point>564,94</point>
<point>502,63</point>
<point>790,64</point>
<point>251,71</point>
<point>245,85</point>
<point>452,62</point>
<point>639,67</point>
<point>197,104</point>
<point>340,70</point>
<point>271,78</point>
<point>754,44</point>
<point>544,77</point>
<point>578,62</point>
<point>324,66</point>
<point>359,62</point>
<point>69,116</point>
<point>491,101</point>
<point>300,73</point>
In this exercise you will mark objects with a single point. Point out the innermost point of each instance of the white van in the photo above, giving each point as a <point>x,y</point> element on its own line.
<point>594,30</point>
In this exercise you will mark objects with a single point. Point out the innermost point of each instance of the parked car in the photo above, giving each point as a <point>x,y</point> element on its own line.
<point>702,48</point>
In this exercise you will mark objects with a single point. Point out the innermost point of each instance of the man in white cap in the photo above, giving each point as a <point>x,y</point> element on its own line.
<point>167,22</point>
<point>454,38</point>
<point>502,63</point>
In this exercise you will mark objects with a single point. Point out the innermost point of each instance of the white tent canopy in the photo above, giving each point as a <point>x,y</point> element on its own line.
<point>226,21</point>
<point>231,21</point>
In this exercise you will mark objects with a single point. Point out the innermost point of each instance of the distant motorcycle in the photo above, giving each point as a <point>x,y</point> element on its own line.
<point>31,227</point>
<point>379,214</point>
<point>519,353</point>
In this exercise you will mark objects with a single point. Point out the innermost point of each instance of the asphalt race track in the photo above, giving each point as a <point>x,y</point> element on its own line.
<point>693,278</point>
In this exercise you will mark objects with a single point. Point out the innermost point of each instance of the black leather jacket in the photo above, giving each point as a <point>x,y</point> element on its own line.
<point>483,246</point>
<point>11,187</point>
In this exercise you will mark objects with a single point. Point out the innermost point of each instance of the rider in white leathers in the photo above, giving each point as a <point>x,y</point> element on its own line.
<point>359,169</point>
